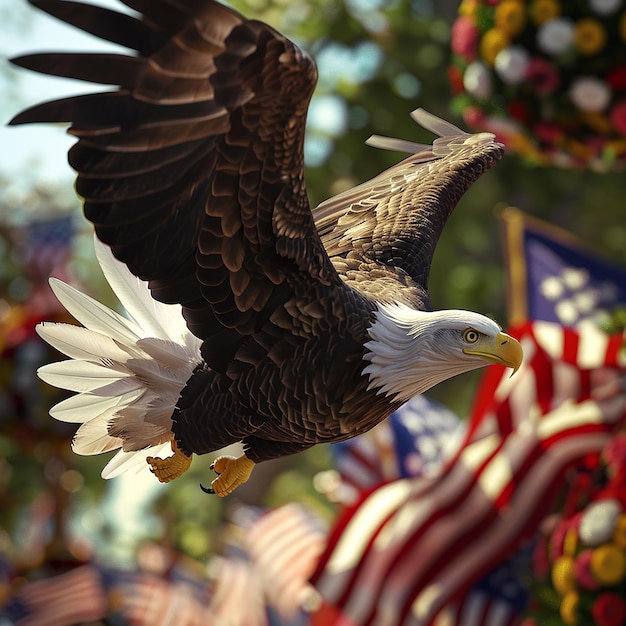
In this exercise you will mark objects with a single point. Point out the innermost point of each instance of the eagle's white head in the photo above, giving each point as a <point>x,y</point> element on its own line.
<point>411,351</point>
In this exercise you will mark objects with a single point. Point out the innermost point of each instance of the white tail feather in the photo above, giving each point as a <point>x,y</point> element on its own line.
<point>128,372</point>
<point>84,407</point>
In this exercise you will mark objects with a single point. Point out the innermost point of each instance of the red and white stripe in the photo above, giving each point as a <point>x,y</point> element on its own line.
<point>72,598</point>
<point>371,460</point>
<point>285,545</point>
<point>560,364</point>
<point>237,597</point>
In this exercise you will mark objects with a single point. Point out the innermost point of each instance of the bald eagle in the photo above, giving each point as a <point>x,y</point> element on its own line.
<point>300,326</point>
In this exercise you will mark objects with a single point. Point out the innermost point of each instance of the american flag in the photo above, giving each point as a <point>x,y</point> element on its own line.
<point>75,597</point>
<point>237,595</point>
<point>47,245</point>
<point>150,600</point>
<point>284,545</point>
<point>46,251</point>
<point>553,277</point>
<point>413,441</point>
<point>409,552</point>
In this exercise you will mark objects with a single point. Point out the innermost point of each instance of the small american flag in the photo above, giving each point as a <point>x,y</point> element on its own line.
<point>284,545</point>
<point>47,246</point>
<point>412,441</point>
<point>237,595</point>
<point>75,597</point>
<point>553,277</point>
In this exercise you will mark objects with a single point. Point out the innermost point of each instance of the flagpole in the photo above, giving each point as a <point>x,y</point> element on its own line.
<point>512,221</point>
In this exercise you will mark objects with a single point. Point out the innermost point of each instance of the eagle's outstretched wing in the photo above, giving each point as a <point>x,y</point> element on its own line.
<point>192,169</point>
<point>381,235</point>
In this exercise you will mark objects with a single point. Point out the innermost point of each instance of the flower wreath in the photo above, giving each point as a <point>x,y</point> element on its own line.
<point>548,77</point>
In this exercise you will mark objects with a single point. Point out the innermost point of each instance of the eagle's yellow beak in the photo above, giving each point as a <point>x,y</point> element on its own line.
<point>501,349</point>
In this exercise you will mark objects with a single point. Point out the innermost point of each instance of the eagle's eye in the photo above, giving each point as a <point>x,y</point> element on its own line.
<point>470,335</point>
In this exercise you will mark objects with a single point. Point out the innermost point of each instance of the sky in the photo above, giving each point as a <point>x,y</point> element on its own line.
<point>36,152</point>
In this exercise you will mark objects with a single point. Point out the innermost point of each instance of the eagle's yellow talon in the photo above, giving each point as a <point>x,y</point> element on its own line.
<point>233,471</point>
<point>170,468</point>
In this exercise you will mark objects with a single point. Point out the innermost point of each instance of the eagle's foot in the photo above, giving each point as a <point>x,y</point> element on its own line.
<point>233,471</point>
<point>171,467</point>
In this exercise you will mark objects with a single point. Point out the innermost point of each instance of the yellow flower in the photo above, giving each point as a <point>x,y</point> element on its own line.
<point>569,542</point>
<point>544,11</point>
<point>468,8</point>
<point>492,43</point>
<point>608,564</point>
<point>563,578</point>
<point>510,16</point>
<point>569,608</point>
<point>589,36</point>
<point>601,124</point>
<point>619,534</point>
<point>579,149</point>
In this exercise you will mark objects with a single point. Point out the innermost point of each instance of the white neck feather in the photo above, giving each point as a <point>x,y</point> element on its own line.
<point>409,351</point>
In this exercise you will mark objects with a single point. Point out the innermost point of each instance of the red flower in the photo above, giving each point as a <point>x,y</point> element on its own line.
<point>618,117</point>
<point>547,133</point>
<point>609,610</point>
<point>455,76</point>
<point>518,110</point>
<point>474,116</point>
<point>542,76</point>
<point>465,38</point>
<point>616,78</point>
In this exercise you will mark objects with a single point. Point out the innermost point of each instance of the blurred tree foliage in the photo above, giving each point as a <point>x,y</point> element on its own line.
<point>377,61</point>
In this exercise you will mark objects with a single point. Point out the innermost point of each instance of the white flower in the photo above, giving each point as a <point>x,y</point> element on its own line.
<point>590,94</point>
<point>477,80</point>
<point>511,64</point>
<point>556,36</point>
<point>605,7</point>
<point>598,522</point>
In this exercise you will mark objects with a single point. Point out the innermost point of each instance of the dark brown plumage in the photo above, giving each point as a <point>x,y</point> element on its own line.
<point>191,170</point>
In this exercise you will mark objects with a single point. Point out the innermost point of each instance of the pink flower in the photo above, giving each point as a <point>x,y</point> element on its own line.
<point>465,38</point>
<point>474,116</point>
<point>618,117</point>
<point>542,76</point>
<point>582,570</point>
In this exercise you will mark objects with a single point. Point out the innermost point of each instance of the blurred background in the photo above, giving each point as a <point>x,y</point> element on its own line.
<point>377,62</point>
